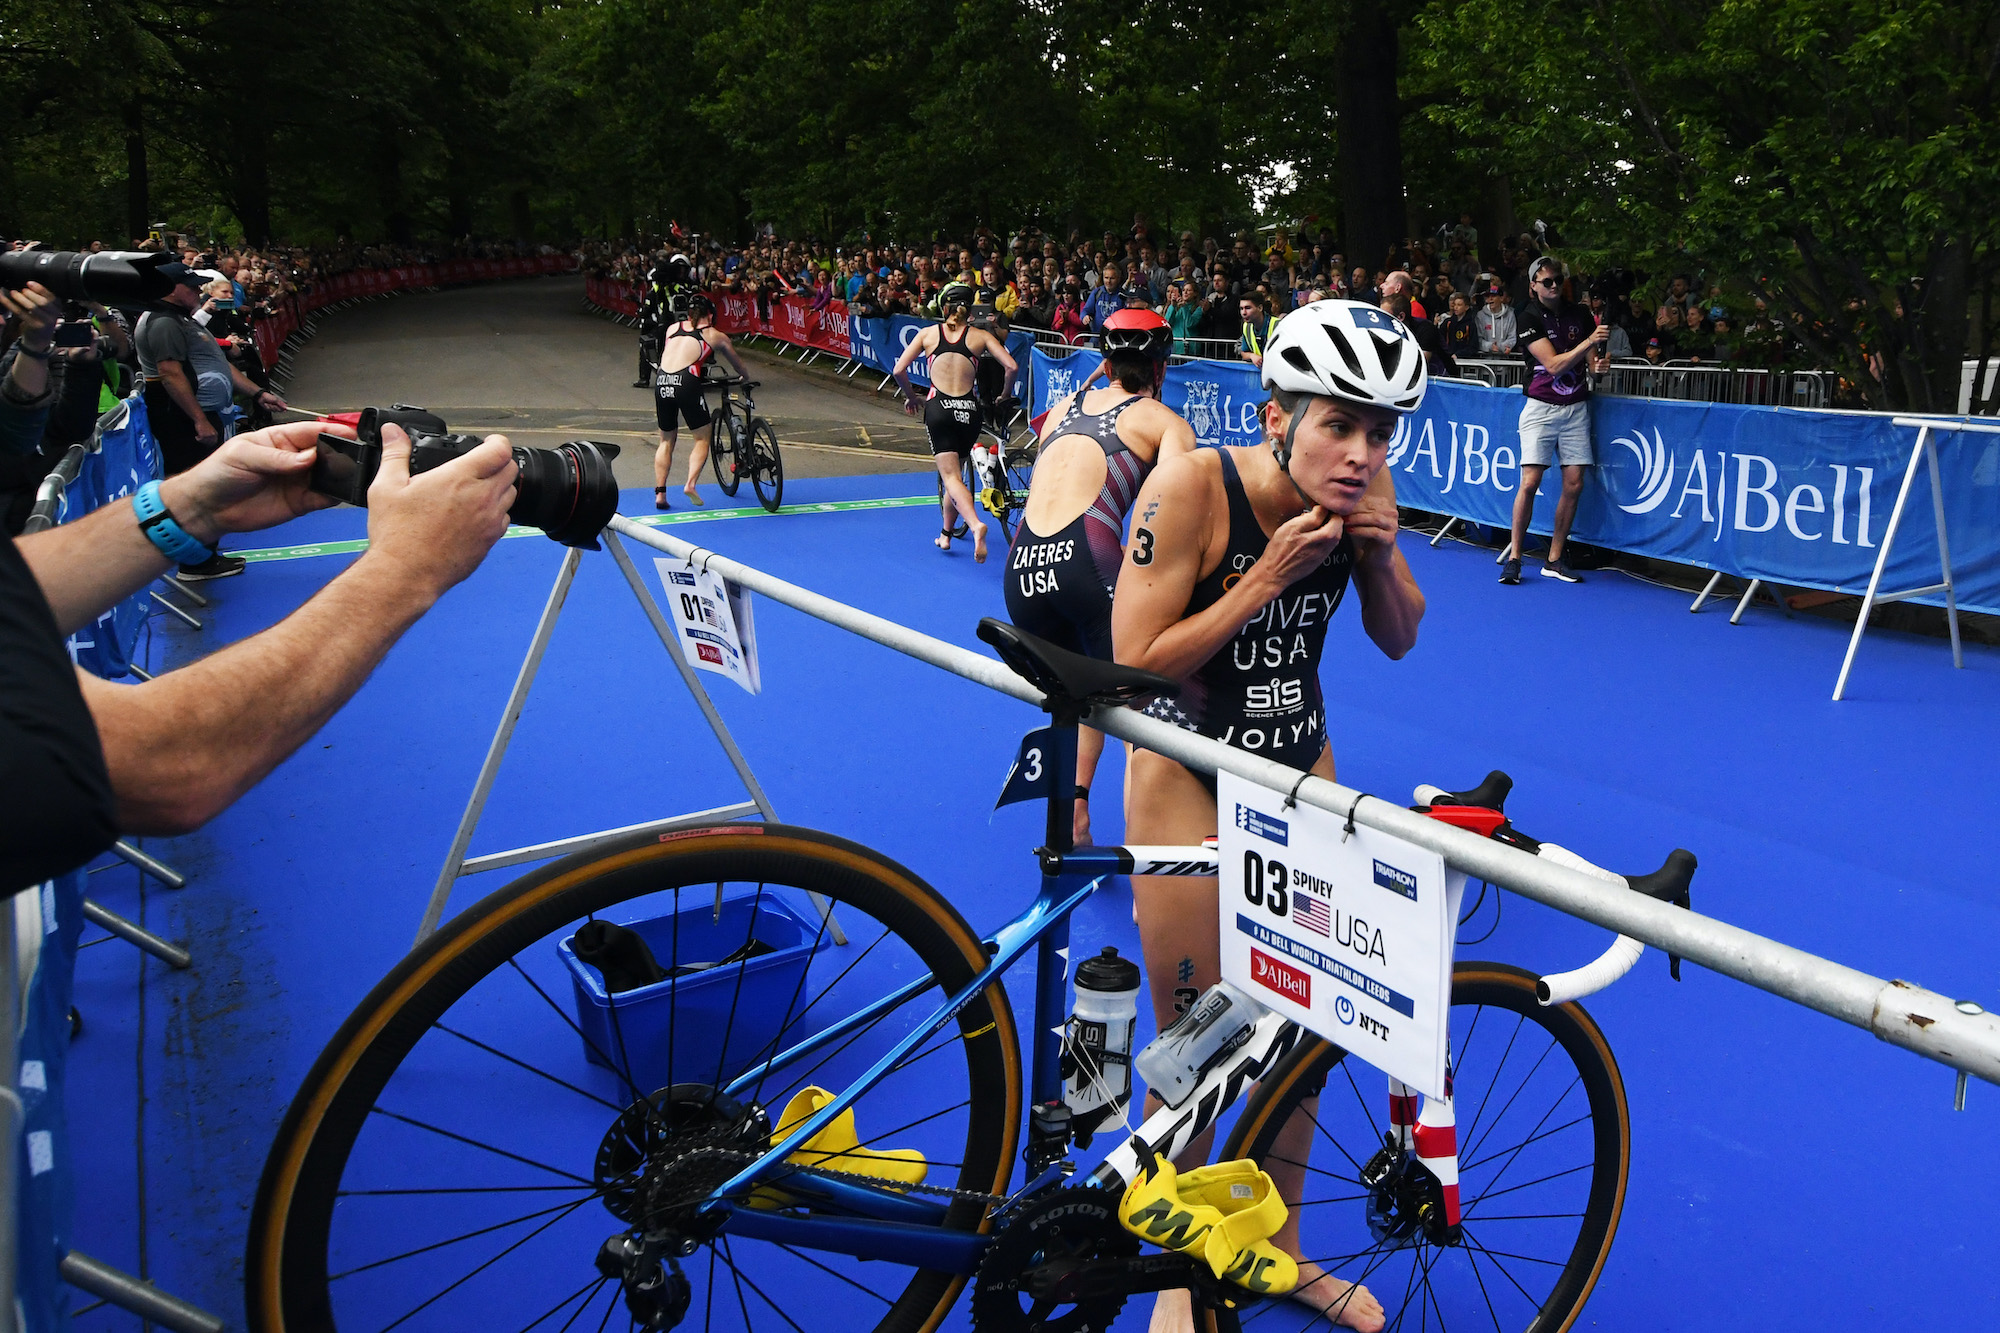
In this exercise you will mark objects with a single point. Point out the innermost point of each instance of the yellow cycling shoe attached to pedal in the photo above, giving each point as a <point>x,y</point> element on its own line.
<point>1223,1214</point>
<point>836,1147</point>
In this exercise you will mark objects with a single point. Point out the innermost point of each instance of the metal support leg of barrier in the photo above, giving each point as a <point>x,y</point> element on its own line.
<point>139,671</point>
<point>183,589</point>
<point>457,865</point>
<point>192,623</point>
<point>1709,588</point>
<point>133,933</point>
<point>1444,531</point>
<point>884,384</point>
<point>1925,451</point>
<point>159,870</point>
<point>142,1298</point>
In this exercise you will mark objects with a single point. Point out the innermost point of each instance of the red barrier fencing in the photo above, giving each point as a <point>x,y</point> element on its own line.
<point>789,319</point>
<point>271,331</point>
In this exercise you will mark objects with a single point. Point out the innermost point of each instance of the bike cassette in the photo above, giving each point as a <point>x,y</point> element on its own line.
<point>1058,1267</point>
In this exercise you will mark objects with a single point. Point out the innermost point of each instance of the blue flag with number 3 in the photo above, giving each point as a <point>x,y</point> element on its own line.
<point>1030,779</point>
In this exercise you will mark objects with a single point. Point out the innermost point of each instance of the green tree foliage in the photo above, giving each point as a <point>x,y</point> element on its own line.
<point>1835,158</point>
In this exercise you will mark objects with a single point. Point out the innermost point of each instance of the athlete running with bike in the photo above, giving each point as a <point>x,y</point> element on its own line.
<point>951,413</point>
<point>678,392</point>
<point>1097,450</point>
<point>1238,559</point>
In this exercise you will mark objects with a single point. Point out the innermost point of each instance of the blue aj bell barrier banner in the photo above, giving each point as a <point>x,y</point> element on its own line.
<point>1220,399</point>
<point>127,458</point>
<point>1797,497</point>
<point>879,342</point>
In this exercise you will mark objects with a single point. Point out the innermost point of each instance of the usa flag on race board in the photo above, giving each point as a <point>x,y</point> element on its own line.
<point>1311,913</point>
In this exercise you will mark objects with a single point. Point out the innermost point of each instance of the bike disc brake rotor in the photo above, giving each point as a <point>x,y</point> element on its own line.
<point>1068,1227</point>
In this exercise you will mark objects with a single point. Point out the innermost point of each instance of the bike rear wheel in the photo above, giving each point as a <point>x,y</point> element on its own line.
<point>1544,1143</point>
<point>724,451</point>
<point>767,465</point>
<point>462,1150</point>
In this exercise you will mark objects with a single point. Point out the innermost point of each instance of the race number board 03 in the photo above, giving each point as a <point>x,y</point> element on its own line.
<point>1346,931</point>
<point>569,491</point>
<point>127,278</point>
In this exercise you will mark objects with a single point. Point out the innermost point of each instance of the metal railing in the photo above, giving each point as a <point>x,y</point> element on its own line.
<point>1683,381</point>
<point>1960,1034</point>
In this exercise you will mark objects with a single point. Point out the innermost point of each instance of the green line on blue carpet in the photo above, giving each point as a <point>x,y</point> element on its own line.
<point>651,520</point>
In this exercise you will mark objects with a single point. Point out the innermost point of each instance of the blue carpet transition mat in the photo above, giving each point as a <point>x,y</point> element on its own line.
<point>1787,1171</point>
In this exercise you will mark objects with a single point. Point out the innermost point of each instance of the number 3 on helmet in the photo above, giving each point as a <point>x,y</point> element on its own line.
<point>1350,351</point>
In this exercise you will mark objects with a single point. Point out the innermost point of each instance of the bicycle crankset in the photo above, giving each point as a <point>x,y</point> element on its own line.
<point>1066,1266</point>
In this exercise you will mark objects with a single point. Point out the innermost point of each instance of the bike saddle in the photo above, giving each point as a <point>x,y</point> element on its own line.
<point>1068,677</point>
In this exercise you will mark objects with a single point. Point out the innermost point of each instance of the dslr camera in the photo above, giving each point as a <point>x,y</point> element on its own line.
<point>569,492</point>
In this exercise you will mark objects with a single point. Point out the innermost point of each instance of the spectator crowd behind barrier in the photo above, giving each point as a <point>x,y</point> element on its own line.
<point>1466,293</point>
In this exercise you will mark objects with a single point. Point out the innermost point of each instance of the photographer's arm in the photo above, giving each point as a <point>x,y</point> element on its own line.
<point>182,747</point>
<point>252,482</point>
<point>28,379</point>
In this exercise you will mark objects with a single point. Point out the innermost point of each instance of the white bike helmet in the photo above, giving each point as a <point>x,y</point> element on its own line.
<point>1350,351</point>
<point>1345,350</point>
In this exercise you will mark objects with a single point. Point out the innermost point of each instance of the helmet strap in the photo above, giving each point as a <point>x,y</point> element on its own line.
<point>1282,451</point>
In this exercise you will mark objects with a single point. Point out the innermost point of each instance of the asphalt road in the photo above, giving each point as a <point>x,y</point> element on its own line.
<point>527,359</point>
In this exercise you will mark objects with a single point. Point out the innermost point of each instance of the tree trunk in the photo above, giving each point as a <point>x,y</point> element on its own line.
<point>253,186</point>
<point>389,183</point>
<point>138,186</point>
<point>1369,130</point>
<point>524,223</point>
<point>1934,329</point>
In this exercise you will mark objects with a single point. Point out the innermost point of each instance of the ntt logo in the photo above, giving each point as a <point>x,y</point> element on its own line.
<point>1656,470</point>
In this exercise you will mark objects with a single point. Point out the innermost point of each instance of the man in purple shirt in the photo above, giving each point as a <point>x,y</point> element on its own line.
<point>1561,341</point>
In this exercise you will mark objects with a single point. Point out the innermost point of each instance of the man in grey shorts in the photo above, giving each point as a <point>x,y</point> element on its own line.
<point>1561,340</point>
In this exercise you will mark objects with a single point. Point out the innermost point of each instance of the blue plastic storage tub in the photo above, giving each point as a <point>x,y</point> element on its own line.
<point>673,1031</point>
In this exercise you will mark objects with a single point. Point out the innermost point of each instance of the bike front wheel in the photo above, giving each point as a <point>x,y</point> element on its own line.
<point>493,1118</point>
<point>1544,1142</point>
<point>767,465</point>
<point>724,451</point>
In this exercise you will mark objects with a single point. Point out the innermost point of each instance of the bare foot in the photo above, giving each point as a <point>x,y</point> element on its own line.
<point>1347,1304</point>
<point>1173,1312</point>
<point>979,543</point>
<point>943,541</point>
<point>693,498</point>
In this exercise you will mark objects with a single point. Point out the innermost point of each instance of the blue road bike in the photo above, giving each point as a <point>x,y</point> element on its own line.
<point>773,1130</point>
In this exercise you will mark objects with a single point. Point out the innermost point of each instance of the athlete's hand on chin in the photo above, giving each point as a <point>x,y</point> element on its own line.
<point>1301,545</point>
<point>1373,525</point>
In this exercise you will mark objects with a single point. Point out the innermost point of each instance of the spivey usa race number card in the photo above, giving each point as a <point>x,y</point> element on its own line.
<point>1348,934</point>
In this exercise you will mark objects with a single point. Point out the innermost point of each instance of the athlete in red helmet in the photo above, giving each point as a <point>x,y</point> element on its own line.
<point>1095,454</point>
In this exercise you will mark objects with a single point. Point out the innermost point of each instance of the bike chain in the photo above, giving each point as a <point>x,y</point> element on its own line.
<point>944,1191</point>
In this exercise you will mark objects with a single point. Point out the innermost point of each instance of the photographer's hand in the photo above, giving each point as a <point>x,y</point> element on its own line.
<point>435,528</point>
<point>253,481</point>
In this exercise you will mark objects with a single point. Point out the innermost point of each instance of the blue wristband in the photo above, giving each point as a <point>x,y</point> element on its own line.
<point>157,522</point>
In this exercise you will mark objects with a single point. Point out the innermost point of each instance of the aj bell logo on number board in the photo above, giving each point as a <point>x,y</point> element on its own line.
<point>1262,825</point>
<point>1396,881</point>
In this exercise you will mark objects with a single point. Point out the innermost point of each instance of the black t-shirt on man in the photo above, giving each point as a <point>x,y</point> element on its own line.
<point>58,811</point>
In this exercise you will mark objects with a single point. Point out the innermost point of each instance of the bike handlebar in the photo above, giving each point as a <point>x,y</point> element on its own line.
<point>1670,883</point>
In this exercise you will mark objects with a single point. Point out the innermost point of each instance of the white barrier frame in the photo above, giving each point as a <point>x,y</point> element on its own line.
<point>1960,1034</point>
<point>457,865</point>
<point>1925,450</point>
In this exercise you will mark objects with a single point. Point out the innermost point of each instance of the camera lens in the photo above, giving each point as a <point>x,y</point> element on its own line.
<point>568,492</point>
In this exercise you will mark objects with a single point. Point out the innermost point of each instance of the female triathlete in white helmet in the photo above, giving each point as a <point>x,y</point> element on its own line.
<point>1239,557</point>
